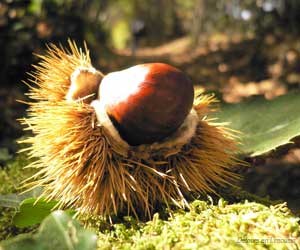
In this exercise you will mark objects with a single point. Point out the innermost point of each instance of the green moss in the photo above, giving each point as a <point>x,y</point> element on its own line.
<point>247,225</point>
<point>241,225</point>
<point>11,177</point>
<point>14,173</point>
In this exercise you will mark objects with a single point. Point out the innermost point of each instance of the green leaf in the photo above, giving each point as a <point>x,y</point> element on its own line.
<point>58,231</point>
<point>265,125</point>
<point>14,200</point>
<point>33,211</point>
<point>11,200</point>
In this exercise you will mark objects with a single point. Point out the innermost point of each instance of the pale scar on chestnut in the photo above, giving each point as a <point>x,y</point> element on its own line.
<point>84,85</point>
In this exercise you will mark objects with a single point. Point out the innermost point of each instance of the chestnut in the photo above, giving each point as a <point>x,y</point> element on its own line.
<point>147,102</point>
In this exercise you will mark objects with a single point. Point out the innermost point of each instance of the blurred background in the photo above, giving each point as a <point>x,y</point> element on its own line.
<point>235,48</point>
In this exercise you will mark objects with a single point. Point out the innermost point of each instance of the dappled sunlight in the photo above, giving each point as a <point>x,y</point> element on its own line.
<point>136,154</point>
<point>235,90</point>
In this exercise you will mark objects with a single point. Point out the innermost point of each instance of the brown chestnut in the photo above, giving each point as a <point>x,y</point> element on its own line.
<point>147,102</point>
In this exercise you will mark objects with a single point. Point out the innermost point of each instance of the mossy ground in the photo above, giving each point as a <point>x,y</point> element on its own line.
<point>241,225</point>
<point>11,176</point>
<point>246,225</point>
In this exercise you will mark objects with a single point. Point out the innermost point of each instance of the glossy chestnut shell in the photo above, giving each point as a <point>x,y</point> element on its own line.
<point>147,102</point>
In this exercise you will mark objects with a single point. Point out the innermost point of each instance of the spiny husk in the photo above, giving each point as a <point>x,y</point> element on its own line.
<point>78,162</point>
